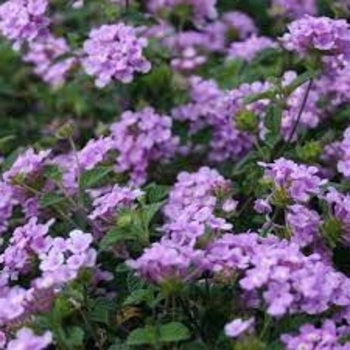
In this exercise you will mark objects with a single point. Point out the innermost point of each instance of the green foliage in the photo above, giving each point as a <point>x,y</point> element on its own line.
<point>152,335</point>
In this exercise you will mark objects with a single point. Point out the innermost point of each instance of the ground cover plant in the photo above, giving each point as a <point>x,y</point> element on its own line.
<point>175,174</point>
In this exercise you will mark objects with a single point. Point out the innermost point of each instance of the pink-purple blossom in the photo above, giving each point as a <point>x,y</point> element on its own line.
<point>23,20</point>
<point>114,52</point>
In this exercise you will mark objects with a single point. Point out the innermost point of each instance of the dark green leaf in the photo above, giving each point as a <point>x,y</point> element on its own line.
<point>149,211</point>
<point>269,95</point>
<point>115,235</point>
<point>75,337</point>
<point>94,177</point>
<point>51,199</point>
<point>156,193</point>
<point>142,336</point>
<point>174,332</point>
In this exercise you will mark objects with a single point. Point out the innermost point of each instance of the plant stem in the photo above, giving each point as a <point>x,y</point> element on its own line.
<point>296,124</point>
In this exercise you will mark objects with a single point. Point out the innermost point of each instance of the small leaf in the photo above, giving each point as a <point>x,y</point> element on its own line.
<point>269,95</point>
<point>9,160</point>
<point>115,235</point>
<point>53,172</point>
<point>156,193</point>
<point>149,211</point>
<point>138,296</point>
<point>51,199</point>
<point>174,332</point>
<point>94,177</point>
<point>142,336</point>
<point>75,337</point>
<point>100,311</point>
<point>134,282</point>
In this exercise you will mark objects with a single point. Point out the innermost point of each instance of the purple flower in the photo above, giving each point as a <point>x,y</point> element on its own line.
<point>344,155</point>
<point>286,280</point>
<point>110,201</point>
<point>23,20</point>
<point>2,340</point>
<point>141,138</point>
<point>262,206</point>
<point>247,50</point>
<point>215,108</point>
<point>311,115</point>
<point>46,54</point>
<point>304,224</point>
<point>299,181</point>
<point>27,340</point>
<point>8,201</point>
<point>240,22</point>
<point>310,337</point>
<point>192,203</point>
<point>27,163</point>
<point>168,261</point>
<point>202,9</point>
<point>235,328</point>
<point>78,241</point>
<point>327,36</point>
<point>339,207</point>
<point>94,152</point>
<point>114,52</point>
<point>294,8</point>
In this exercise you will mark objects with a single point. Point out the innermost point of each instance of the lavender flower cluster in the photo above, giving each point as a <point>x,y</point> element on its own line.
<point>230,194</point>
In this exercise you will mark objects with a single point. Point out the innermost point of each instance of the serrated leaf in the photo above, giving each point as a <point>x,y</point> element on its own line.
<point>100,311</point>
<point>75,336</point>
<point>149,211</point>
<point>138,296</point>
<point>156,193</point>
<point>53,172</point>
<point>174,332</point>
<point>94,177</point>
<point>51,199</point>
<point>273,119</point>
<point>142,336</point>
<point>134,282</point>
<point>115,235</point>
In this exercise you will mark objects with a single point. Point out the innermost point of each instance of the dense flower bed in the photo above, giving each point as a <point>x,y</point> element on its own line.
<point>174,174</point>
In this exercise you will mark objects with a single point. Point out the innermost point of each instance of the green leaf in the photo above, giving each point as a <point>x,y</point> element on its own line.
<point>134,282</point>
<point>51,199</point>
<point>101,310</point>
<point>194,346</point>
<point>115,235</point>
<point>53,172</point>
<point>156,193</point>
<point>142,336</point>
<point>149,211</point>
<point>9,160</point>
<point>5,140</point>
<point>75,336</point>
<point>273,119</point>
<point>269,95</point>
<point>174,332</point>
<point>273,125</point>
<point>94,177</point>
<point>119,345</point>
<point>139,296</point>
<point>169,333</point>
